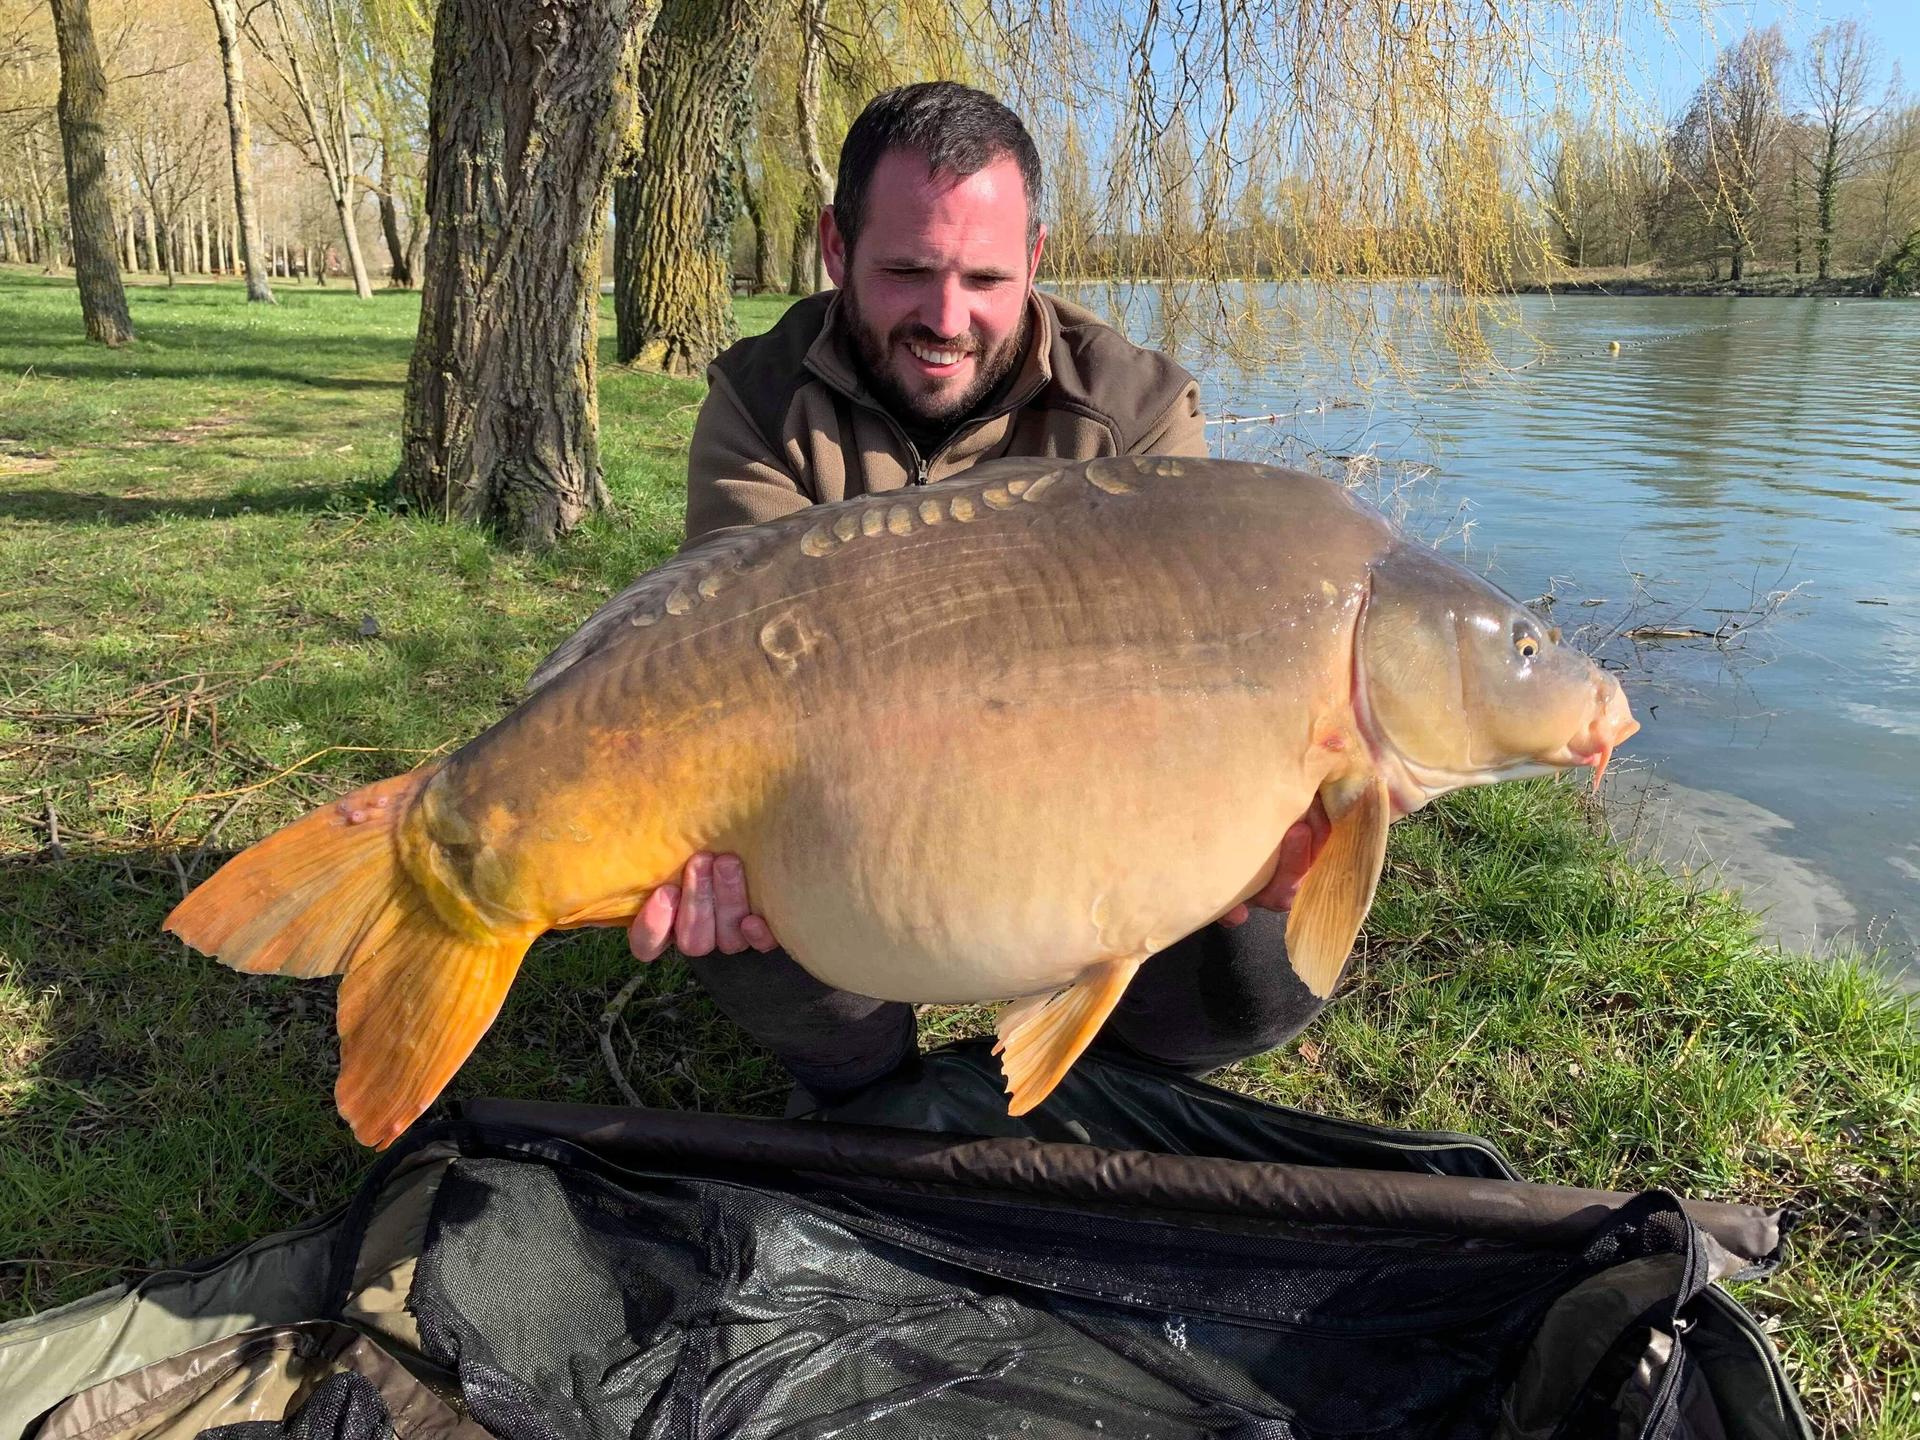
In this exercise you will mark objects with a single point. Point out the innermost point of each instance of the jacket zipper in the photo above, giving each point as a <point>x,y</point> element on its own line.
<point>922,466</point>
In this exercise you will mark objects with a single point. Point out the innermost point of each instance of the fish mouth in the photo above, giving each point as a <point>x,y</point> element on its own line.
<point>1611,728</point>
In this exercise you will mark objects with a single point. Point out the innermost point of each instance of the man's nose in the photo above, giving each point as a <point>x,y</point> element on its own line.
<point>943,308</point>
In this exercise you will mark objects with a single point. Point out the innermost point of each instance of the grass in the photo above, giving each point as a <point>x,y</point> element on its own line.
<point>193,536</point>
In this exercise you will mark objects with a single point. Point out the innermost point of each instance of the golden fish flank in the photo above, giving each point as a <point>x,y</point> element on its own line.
<point>846,746</point>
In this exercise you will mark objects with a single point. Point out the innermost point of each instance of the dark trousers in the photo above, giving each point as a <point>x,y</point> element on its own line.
<point>1217,996</point>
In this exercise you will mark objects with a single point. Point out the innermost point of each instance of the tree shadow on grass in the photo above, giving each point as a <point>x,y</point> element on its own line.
<point>194,367</point>
<point>93,507</point>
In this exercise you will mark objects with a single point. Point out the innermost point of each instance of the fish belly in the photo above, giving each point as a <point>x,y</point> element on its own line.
<point>958,857</point>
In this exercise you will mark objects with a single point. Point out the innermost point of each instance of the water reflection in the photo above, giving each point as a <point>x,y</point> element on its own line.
<point>1731,449</point>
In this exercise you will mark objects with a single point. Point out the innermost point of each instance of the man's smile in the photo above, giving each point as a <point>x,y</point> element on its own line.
<point>936,360</point>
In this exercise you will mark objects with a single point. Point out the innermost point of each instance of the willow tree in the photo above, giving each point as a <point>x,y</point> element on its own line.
<point>528,110</point>
<point>675,202</point>
<point>83,124</point>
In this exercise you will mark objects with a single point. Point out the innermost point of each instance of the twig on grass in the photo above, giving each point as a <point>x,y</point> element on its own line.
<point>612,1015</point>
<point>1447,1063</point>
<point>283,773</point>
<point>306,1202</point>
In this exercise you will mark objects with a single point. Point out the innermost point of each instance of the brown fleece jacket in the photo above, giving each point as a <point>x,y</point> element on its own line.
<point>787,422</point>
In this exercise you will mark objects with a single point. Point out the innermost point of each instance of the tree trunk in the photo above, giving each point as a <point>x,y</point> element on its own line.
<point>350,232</point>
<point>226,17</point>
<point>672,274</point>
<point>153,239</point>
<point>1794,216</point>
<point>813,51</point>
<point>502,420</point>
<point>416,245</point>
<point>757,217</point>
<point>803,257</point>
<point>1829,190</point>
<point>83,131</point>
<point>398,271</point>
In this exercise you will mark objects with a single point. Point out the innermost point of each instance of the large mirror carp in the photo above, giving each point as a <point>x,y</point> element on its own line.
<point>1000,738</point>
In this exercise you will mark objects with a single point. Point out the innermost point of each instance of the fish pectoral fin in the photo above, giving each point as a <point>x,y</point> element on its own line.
<point>1333,898</point>
<point>1041,1036</point>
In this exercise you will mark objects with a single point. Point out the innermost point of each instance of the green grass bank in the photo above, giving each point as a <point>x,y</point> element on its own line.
<point>211,620</point>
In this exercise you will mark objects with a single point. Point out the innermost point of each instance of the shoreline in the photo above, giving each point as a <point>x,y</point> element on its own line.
<point>1761,287</point>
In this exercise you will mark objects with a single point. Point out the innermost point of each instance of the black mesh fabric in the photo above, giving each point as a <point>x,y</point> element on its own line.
<point>579,1302</point>
<point>341,1407</point>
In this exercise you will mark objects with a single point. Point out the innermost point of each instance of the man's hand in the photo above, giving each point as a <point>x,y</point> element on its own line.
<point>707,911</point>
<point>1299,848</point>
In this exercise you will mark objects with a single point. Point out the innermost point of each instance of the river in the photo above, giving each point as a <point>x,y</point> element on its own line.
<point>1749,467</point>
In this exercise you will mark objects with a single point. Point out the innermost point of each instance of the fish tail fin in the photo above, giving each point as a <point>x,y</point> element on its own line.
<point>328,895</point>
<point>301,901</point>
<point>414,1004</point>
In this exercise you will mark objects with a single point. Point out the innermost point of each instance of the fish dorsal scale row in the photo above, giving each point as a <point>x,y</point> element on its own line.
<point>678,587</point>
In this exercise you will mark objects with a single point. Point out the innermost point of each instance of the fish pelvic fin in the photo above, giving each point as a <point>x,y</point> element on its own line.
<point>328,895</point>
<point>1041,1037</point>
<point>1337,891</point>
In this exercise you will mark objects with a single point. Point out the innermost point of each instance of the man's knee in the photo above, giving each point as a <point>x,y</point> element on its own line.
<point>829,1040</point>
<point>1220,995</point>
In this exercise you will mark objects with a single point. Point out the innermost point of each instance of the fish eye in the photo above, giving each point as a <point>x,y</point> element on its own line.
<point>1526,644</point>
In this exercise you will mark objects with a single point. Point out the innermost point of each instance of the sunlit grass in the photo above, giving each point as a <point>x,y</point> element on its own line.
<point>211,618</point>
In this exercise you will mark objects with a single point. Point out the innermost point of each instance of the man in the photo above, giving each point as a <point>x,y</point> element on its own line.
<point>936,352</point>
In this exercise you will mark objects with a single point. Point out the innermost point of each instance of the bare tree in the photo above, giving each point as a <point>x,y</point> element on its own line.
<point>308,47</point>
<point>1896,175</point>
<point>233,66</point>
<point>83,114</point>
<point>1837,72</point>
<point>1727,148</point>
<point>169,149</point>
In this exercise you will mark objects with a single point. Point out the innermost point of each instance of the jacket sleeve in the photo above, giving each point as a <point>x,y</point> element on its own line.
<point>735,475</point>
<point>1180,430</point>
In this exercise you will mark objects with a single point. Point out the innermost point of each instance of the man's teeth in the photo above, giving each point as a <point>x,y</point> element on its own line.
<point>936,357</point>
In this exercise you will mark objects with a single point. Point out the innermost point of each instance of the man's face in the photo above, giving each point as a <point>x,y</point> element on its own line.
<point>936,288</point>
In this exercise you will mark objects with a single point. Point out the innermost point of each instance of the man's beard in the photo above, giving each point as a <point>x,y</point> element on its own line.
<point>873,357</point>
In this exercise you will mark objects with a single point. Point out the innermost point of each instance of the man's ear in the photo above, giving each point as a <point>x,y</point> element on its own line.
<point>833,248</point>
<point>1033,260</point>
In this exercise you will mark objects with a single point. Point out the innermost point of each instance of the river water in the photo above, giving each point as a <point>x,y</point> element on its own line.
<point>1729,451</point>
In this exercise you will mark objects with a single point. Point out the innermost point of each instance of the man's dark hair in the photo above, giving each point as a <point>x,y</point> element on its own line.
<point>958,130</point>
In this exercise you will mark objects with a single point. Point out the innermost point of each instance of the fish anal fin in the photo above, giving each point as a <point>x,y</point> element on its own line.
<point>413,1006</point>
<point>1334,896</point>
<point>1040,1037</point>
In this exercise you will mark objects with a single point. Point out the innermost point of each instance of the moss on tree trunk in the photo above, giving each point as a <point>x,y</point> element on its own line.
<point>528,112</point>
<point>83,116</point>
<point>672,273</point>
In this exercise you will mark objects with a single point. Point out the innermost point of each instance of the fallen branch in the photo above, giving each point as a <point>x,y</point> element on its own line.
<point>612,1015</point>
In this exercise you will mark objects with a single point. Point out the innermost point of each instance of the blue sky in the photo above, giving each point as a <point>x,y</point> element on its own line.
<point>1674,57</point>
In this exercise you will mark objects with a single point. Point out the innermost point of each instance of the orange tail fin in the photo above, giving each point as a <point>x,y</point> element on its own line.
<point>327,896</point>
